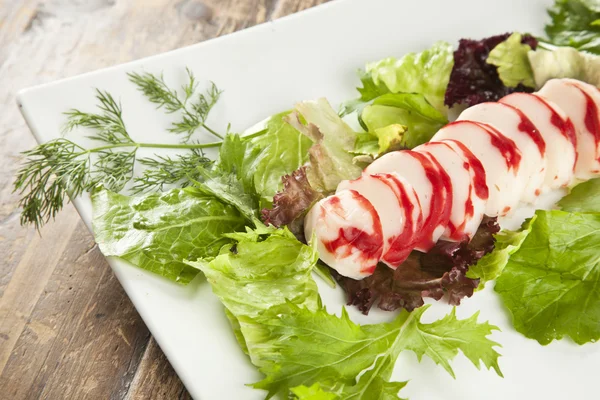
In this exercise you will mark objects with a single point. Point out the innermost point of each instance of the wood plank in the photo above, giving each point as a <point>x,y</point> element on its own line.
<point>67,330</point>
<point>155,378</point>
<point>84,338</point>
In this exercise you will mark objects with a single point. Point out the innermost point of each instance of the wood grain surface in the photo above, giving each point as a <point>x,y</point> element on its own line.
<point>67,329</point>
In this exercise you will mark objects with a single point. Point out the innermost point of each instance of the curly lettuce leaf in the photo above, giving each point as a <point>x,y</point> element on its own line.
<point>158,231</point>
<point>441,271</point>
<point>333,140</point>
<point>575,23</point>
<point>266,267</point>
<point>511,59</point>
<point>411,110</point>
<point>426,73</point>
<point>291,204</point>
<point>564,62</point>
<point>584,197</point>
<point>301,346</point>
<point>550,285</point>
<point>492,264</point>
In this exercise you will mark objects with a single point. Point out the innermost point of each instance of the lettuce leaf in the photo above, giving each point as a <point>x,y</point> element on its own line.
<point>315,392</point>
<point>231,179</point>
<point>564,62</point>
<point>282,150</point>
<point>511,59</point>
<point>380,141</point>
<point>330,155</point>
<point>550,285</point>
<point>301,346</point>
<point>158,231</point>
<point>426,73</point>
<point>411,110</point>
<point>492,264</point>
<point>584,197</point>
<point>266,267</point>
<point>291,204</point>
<point>441,271</point>
<point>575,23</point>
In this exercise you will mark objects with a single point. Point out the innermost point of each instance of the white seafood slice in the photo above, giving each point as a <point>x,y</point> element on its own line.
<point>348,233</point>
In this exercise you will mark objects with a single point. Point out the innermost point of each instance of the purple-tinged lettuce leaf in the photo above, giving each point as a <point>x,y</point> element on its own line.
<point>442,271</point>
<point>473,80</point>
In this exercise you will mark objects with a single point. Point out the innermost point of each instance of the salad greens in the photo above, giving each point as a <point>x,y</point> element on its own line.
<point>492,264</point>
<point>264,281</point>
<point>333,140</point>
<point>282,150</point>
<point>511,59</point>
<point>550,284</point>
<point>420,119</point>
<point>426,73</point>
<point>584,197</point>
<point>564,62</point>
<point>158,231</point>
<point>266,267</point>
<point>575,23</point>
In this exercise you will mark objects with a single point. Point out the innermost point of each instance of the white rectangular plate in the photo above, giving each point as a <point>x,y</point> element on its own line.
<point>267,69</point>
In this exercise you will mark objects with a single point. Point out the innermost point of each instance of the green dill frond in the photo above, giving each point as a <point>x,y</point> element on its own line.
<point>157,91</point>
<point>113,169</point>
<point>164,170</point>
<point>49,170</point>
<point>108,126</point>
<point>193,113</point>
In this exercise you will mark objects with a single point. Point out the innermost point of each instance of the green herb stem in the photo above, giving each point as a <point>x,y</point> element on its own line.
<point>155,146</point>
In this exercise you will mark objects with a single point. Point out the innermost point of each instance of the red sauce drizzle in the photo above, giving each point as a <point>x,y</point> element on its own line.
<point>479,183</point>
<point>370,245</point>
<point>401,246</point>
<point>592,123</point>
<point>565,126</point>
<point>527,127</point>
<point>507,147</point>
<point>440,202</point>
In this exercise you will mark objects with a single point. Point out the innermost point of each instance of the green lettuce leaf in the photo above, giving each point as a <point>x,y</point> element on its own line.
<point>249,169</point>
<point>231,180</point>
<point>492,264</point>
<point>411,110</point>
<point>511,59</point>
<point>330,156</point>
<point>550,285</point>
<point>282,150</point>
<point>584,197</point>
<point>426,73</point>
<point>265,268</point>
<point>575,23</point>
<point>564,62</point>
<point>380,141</point>
<point>301,346</point>
<point>158,231</point>
<point>315,392</point>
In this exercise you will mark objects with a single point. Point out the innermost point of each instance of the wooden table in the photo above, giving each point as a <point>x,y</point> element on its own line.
<point>67,329</point>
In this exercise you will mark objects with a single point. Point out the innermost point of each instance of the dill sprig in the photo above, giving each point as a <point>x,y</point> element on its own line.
<point>60,168</point>
<point>164,170</point>
<point>107,127</point>
<point>194,108</point>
